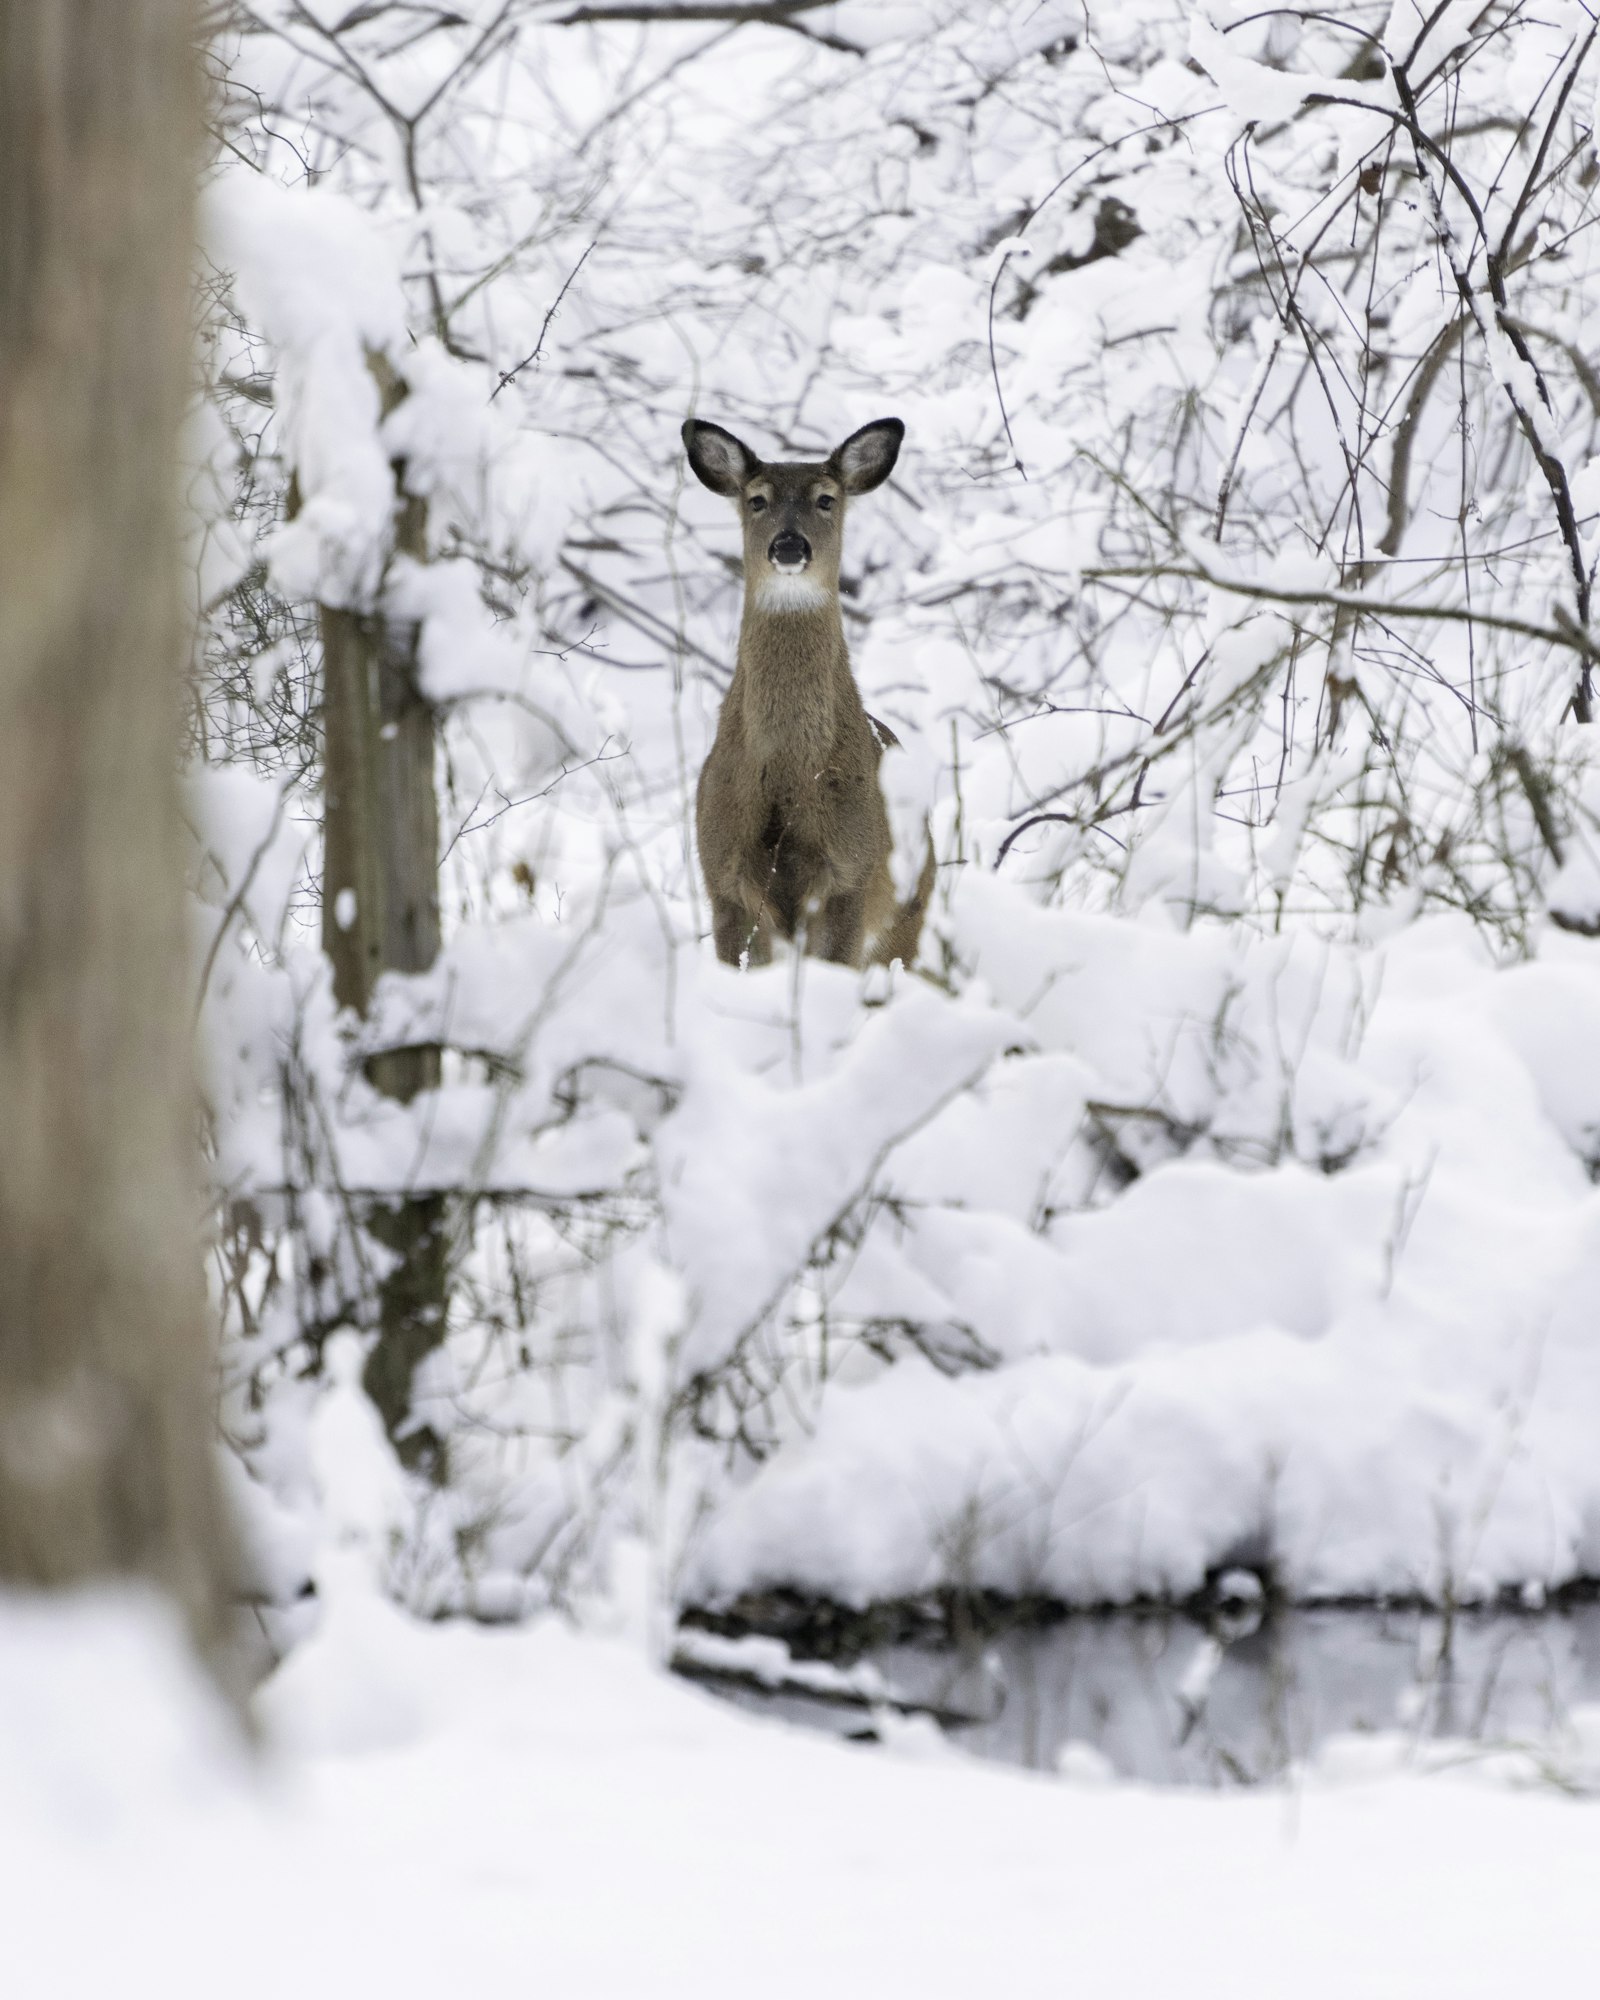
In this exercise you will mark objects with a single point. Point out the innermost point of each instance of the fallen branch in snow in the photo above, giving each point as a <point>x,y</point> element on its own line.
<point>764,1667</point>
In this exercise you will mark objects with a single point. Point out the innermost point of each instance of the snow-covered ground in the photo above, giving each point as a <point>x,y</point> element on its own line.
<point>463,1811</point>
<point>453,1810</point>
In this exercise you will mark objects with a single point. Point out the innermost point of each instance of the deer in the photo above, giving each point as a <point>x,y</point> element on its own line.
<point>793,831</point>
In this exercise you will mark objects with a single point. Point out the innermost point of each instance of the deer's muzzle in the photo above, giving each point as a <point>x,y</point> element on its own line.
<point>789,552</point>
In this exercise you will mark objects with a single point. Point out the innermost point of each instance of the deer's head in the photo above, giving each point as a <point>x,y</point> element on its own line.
<point>792,515</point>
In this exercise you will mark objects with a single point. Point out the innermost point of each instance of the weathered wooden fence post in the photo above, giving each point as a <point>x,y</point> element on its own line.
<point>380,913</point>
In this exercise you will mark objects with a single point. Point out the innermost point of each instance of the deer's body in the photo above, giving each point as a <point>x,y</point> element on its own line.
<point>794,836</point>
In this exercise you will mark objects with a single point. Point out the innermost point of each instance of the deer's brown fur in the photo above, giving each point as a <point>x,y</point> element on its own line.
<point>794,836</point>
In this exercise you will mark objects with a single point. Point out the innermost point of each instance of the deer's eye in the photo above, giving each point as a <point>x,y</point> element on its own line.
<point>758,503</point>
<point>824,503</point>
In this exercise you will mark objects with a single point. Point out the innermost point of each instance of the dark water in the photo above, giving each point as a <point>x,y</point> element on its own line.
<point>1169,1700</point>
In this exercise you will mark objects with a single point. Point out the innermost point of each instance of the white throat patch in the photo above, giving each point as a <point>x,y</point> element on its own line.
<point>777,592</point>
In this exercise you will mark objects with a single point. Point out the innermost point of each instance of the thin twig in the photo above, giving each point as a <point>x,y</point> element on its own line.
<point>511,374</point>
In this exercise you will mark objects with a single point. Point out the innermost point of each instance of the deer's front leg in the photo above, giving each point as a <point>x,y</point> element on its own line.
<point>837,930</point>
<point>740,938</point>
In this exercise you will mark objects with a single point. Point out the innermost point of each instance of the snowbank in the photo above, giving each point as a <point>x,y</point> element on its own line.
<point>1343,1330</point>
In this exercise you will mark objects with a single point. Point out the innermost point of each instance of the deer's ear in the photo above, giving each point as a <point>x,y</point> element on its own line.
<point>867,456</point>
<point>718,458</point>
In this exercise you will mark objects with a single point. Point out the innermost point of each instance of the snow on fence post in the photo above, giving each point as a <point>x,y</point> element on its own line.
<point>380,913</point>
<point>315,273</point>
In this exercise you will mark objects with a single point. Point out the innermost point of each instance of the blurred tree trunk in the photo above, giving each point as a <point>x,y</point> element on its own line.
<point>380,913</point>
<point>106,1394</point>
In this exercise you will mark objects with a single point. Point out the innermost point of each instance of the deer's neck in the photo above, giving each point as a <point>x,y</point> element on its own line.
<point>792,662</point>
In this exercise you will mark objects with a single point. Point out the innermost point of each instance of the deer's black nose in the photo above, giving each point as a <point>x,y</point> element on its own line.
<point>789,550</point>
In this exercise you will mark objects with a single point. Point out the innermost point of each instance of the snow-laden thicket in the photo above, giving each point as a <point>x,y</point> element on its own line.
<point>1219,1187</point>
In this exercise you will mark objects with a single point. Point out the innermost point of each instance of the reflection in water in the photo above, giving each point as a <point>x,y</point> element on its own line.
<point>1167,1700</point>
